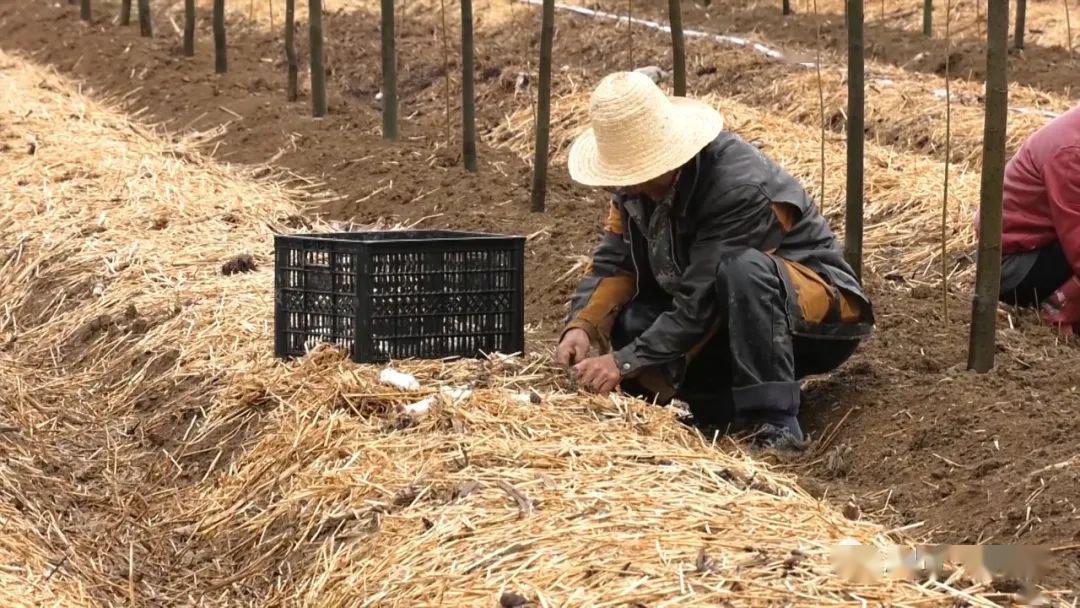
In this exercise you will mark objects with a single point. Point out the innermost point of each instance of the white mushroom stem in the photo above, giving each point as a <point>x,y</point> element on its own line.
<point>403,381</point>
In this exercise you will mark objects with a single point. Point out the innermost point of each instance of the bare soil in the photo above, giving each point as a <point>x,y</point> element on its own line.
<point>904,432</point>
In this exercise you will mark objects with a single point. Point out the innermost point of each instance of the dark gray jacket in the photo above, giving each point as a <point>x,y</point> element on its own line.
<point>725,197</point>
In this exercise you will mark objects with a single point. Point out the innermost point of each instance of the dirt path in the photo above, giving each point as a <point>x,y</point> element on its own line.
<point>966,455</point>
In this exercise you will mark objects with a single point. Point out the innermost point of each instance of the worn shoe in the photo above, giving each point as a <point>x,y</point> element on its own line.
<point>781,433</point>
<point>769,436</point>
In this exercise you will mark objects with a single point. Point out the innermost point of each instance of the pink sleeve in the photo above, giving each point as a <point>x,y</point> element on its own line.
<point>1062,177</point>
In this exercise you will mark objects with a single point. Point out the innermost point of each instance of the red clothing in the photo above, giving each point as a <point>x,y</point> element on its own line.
<point>1042,191</point>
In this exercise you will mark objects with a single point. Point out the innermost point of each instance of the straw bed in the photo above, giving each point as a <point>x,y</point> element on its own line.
<point>156,454</point>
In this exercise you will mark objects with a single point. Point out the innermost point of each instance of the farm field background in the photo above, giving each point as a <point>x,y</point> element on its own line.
<point>910,438</point>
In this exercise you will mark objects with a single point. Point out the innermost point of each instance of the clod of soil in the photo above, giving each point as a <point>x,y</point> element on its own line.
<point>238,264</point>
<point>513,600</point>
<point>852,511</point>
<point>92,328</point>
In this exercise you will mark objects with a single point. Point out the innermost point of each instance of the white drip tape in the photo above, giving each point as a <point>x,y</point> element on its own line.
<point>740,42</point>
<point>732,40</point>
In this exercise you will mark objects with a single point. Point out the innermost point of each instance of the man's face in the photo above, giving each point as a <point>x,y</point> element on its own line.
<point>649,188</point>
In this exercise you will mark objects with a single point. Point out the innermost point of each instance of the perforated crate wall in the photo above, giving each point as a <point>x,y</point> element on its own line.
<point>400,294</point>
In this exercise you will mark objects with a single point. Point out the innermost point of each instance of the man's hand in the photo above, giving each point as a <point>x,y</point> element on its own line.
<point>574,347</point>
<point>1062,308</point>
<point>598,374</point>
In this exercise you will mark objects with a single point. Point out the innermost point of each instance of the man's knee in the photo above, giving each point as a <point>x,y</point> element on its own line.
<point>743,266</point>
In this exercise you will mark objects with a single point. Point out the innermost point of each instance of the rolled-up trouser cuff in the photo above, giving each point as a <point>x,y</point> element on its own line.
<point>766,398</point>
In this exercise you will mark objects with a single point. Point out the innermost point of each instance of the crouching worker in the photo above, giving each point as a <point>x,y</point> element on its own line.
<point>716,279</point>
<point>1040,243</point>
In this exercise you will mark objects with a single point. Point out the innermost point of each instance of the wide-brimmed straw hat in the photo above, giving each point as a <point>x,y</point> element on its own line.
<point>638,133</point>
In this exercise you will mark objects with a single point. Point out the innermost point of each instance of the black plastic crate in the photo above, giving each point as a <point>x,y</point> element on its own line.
<point>399,294</point>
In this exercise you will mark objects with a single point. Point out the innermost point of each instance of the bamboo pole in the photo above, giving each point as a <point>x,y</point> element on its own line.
<point>189,28</point>
<point>678,46</point>
<point>221,63</point>
<point>318,69</point>
<point>928,18</point>
<point>1021,24</point>
<point>853,232</point>
<point>125,12</point>
<point>468,98</point>
<point>145,26</point>
<point>389,71</point>
<point>821,102</point>
<point>293,75</point>
<point>948,160</point>
<point>543,113</point>
<point>988,271</point>
<point>446,65</point>
<point>84,10</point>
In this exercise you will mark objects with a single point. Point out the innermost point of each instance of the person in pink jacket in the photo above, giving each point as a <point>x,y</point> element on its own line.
<point>1040,245</point>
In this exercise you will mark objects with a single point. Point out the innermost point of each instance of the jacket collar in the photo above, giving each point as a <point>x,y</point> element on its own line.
<point>684,190</point>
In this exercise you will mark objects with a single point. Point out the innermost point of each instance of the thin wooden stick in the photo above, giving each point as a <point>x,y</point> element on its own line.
<point>1068,29</point>
<point>468,96</point>
<point>389,71</point>
<point>318,67</point>
<point>948,153</point>
<point>293,68</point>
<point>1021,24</point>
<point>821,102</point>
<point>146,27</point>
<point>856,134</point>
<point>543,112</point>
<point>221,63</point>
<point>630,33</point>
<point>189,28</point>
<point>446,65</point>
<point>978,17</point>
<point>678,47</point>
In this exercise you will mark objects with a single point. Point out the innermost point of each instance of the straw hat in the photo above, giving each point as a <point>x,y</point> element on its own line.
<point>638,133</point>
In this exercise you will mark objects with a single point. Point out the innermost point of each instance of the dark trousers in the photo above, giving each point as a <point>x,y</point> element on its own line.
<point>751,366</point>
<point>1049,270</point>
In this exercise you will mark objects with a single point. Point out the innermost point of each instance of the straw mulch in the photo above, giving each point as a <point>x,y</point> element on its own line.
<point>156,454</point>
<point>903,111</point>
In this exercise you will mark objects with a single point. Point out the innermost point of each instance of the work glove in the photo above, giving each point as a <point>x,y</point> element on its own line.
<point>1062,308</point>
